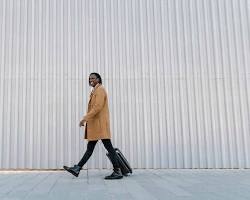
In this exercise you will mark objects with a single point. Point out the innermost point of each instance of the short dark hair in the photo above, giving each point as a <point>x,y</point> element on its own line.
<point>98,76</point>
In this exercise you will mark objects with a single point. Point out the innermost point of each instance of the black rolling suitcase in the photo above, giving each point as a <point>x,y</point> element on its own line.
<point>124,165</point>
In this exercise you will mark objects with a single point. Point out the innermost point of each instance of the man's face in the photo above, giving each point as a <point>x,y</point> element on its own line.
<point>93,80</point>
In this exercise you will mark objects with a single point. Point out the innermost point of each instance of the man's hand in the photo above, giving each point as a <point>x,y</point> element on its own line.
<point>82,122</point>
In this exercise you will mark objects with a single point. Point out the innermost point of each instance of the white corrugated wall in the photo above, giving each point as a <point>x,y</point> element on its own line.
<point>177,73</point>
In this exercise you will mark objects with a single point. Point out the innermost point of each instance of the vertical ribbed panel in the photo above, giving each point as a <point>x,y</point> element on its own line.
<point>177,73</point>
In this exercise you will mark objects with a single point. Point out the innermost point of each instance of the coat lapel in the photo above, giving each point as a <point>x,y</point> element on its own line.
<point>93,92</point>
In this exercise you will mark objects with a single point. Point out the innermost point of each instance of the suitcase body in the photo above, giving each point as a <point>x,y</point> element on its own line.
<point>124,165</point>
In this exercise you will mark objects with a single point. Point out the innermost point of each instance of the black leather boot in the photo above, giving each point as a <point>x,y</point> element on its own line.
<point>117,174</point>
<point>73,170</point>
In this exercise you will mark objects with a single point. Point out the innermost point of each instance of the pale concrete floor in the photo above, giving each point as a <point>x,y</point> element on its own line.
<point>141,185</point>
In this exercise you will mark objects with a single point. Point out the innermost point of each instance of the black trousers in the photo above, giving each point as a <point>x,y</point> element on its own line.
<point>90,148</point>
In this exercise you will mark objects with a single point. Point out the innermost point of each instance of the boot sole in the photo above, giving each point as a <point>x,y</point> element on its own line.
<point>119,177</point>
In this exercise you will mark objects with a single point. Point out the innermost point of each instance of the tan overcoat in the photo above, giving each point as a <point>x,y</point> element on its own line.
<point>97,117</point>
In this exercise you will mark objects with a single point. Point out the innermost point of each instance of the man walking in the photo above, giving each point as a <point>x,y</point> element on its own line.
<point>97,127</point>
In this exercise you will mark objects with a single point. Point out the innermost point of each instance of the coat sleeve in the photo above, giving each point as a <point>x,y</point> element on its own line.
<point>98,105</point>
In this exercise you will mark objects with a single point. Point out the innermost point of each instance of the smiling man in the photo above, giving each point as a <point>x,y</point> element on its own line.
<point>97,127</point>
